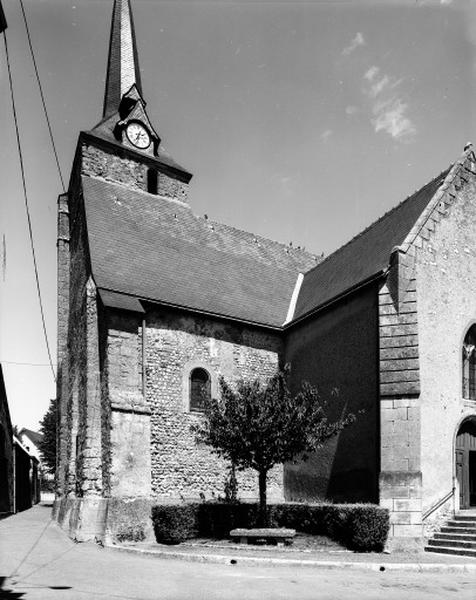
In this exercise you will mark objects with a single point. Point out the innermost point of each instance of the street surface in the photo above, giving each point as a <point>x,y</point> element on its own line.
<point>57,568</point>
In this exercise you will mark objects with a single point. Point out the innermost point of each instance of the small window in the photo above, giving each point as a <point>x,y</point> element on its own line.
<point>152,181</point>
<point>469,364</point>
<point>200,389</point>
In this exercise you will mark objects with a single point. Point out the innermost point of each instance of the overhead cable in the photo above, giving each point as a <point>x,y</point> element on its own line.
<point>25,196</point>
<point>43,102</point>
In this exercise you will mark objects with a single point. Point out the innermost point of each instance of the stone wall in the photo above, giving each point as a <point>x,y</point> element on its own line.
<point>446,273</point>
<point>336,351</point>
<point>181,468</point>
<point>129,421</point>
<point>400,468</point>
<point>62,378</point>
<point>130,172</point>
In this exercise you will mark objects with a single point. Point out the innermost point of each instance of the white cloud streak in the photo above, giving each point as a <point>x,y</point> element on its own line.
<point>390,117</point>
<point>325,135</point>
<point>389,111</point>
<point>358,40</point>
<point>371,73</point>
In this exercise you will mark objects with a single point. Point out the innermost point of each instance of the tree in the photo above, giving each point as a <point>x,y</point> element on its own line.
<point>48,443</point>
<point>259,426</point>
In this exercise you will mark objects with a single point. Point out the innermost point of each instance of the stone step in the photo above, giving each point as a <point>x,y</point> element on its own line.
<point>459,543</point>
<point>450,550</point>
<point>463,517</point>
<point>452,529</point>
<point>470,537</point>
<point>462,522</point>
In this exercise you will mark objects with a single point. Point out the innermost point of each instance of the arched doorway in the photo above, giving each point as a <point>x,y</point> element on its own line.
<point>465,448</point>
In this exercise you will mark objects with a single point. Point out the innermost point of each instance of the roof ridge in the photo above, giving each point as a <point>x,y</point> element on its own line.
<point>201,218</point>
<point>262,237</point>
<point>381,218</point>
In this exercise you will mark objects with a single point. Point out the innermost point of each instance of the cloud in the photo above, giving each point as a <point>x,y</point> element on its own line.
<point>389,111</point>
<point>325,135</point>
<point>358,40</point>
<point>371,73</point>
<point>446,1</point>
<point>391,117</point>
<point>351,109</point>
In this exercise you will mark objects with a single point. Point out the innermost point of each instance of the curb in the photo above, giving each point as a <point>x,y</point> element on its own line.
<point>295,562</point>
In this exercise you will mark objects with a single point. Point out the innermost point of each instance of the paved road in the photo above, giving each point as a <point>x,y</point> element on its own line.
<point>57,568</point>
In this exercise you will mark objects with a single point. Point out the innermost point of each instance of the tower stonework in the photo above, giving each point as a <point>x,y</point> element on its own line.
<point>104,473</point>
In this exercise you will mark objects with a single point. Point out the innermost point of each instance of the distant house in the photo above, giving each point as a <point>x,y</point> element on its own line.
<point>26,477</point>
<point>31,440</point>
<point>19,467</point>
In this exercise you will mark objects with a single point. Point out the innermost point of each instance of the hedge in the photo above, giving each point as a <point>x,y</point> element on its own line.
<point>359,527</point>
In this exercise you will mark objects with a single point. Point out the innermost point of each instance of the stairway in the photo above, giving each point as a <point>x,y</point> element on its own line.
<point>458,536</point>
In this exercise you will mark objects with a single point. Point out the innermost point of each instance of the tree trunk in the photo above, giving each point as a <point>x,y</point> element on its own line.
<point>262,514</point>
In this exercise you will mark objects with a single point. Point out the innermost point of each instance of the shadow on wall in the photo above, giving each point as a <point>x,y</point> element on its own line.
<point>337,352</point>
<point>330,474</point>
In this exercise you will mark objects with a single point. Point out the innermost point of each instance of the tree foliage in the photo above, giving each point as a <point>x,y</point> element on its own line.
<point>48,443</point>
<point>258,426</point>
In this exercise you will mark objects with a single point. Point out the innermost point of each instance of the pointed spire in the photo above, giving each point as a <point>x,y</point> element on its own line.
<point>123,65</point>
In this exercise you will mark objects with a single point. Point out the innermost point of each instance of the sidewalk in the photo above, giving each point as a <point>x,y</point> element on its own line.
<point>224,552</point>
<point>38,561</point>
<point>34,529</point>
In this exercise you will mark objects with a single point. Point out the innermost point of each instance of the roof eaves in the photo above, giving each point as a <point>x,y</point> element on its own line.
<point>379,275</point>
<point>194,310</point>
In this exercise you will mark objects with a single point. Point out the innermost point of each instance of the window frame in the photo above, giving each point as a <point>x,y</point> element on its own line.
<point>194,403</point>
<point>187,381</point>
<point>468,364</point>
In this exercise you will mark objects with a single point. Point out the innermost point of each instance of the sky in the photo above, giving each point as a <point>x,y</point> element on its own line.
<point>301,121</point>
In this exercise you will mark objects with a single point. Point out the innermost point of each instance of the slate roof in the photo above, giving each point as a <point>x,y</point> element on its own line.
<point>34,436</point>
<point>152,248</point>
<point>365,255</point>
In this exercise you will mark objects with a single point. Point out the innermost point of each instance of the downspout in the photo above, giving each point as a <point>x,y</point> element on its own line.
<point>143,357</point>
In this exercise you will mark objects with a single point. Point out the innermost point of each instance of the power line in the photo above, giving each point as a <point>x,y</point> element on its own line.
<point>43,102</point>
<point>25,196</point>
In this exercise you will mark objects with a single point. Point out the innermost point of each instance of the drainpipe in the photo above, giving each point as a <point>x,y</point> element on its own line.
<point>143,357</point>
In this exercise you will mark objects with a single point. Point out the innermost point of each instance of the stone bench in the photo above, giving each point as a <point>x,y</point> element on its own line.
<point>263,536</point>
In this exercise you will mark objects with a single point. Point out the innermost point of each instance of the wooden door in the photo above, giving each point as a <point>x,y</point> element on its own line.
<point>465,449</point>
<point>460,472</point>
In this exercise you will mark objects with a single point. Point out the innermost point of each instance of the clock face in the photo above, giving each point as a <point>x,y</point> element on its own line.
<point>138,135</point>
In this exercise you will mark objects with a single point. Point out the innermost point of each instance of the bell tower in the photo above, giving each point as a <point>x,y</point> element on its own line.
<point>104,476</point>
<point>124,147</point>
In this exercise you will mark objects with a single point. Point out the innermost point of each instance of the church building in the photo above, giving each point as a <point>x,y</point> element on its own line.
<point>156,303</point>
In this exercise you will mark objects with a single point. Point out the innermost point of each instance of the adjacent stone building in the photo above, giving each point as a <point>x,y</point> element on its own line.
<point>155,303</point>
<point>7,496</point>
<point>19,479</point>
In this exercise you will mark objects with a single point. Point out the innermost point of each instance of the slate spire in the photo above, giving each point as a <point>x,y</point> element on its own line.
<point>123,64</point>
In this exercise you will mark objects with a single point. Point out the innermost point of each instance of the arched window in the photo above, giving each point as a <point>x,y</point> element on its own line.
<point>469,364</point>
<point>200,389</point>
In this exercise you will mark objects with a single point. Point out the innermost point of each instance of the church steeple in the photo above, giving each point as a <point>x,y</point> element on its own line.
<point>122,65</point>
<point>125,128</point>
